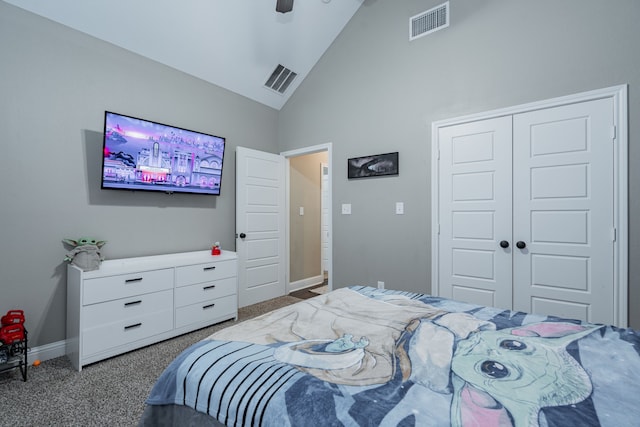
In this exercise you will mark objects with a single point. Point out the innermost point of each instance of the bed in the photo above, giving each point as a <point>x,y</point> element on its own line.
<point>362,356</point>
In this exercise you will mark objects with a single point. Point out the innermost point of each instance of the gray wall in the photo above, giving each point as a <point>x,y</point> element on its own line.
<point>305,243</point>
<point>372,92</point>
<point>55,84</point>
<point>375,92</point>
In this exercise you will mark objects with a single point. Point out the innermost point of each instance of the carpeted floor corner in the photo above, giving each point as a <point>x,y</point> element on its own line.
<point>107,393</point>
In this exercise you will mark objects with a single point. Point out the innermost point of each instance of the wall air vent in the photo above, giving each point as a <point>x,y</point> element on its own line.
<point>280,79</point>
<point>427,22</point>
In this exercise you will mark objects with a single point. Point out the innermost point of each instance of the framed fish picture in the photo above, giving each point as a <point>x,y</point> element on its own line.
<point>375,165</point>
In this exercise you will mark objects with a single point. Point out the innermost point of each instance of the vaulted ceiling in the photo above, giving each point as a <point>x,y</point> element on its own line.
<point>235,44</point>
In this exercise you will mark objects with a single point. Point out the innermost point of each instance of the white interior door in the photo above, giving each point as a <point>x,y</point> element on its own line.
<point>569,209</point>
<point>260,225</point>
<point>563,211</point>
<point>475,212</point>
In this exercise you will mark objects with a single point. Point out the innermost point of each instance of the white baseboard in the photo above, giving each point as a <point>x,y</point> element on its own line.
<point>47,351</point>
<point>305,283</point>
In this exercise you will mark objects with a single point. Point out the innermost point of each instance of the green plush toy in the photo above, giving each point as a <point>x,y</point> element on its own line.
<point>85,253</point>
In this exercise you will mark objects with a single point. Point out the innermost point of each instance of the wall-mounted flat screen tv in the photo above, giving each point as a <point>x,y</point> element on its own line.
<point>144,155</point>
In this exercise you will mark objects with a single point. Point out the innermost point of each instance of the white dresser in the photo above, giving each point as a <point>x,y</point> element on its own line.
<point>133,302</point>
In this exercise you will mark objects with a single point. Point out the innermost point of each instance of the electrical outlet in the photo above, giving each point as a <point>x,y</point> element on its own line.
<point>380,284</point>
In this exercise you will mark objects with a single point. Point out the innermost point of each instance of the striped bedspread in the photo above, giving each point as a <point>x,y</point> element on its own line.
<point>366,357</point>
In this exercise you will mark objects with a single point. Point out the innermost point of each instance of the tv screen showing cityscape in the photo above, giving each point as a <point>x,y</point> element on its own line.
<point>144,155</point>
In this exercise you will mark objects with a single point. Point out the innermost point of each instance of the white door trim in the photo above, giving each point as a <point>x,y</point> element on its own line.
<point>324,196</point>
<point>621,183</point>
<point>328,147</point>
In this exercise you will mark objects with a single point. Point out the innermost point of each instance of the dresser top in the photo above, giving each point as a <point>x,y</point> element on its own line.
<point>126,265</point>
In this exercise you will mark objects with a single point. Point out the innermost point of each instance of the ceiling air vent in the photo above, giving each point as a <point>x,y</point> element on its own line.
<point>280,79</point>
<point>284,6</point>
<point>427,22</point>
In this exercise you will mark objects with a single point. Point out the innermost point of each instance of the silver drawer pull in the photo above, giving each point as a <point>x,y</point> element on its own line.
<point>127,304</point>
<point>137,279</point>
<point>209,268</point>
<point>206,288</point>
<point>137,325</point>
<point>208,306</point>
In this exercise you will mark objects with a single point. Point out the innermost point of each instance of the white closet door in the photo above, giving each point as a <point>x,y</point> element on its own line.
<point>563,211</point>
<point>475,212</point>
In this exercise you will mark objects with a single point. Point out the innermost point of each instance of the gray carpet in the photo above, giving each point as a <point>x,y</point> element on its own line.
<point>107,393</point>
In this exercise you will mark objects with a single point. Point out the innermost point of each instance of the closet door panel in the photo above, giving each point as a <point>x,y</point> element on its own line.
<point>475,212</point>
<point>562,211</point>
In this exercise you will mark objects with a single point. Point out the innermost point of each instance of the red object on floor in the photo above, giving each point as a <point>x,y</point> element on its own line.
<point>13,317</point>
<point>11,334</point>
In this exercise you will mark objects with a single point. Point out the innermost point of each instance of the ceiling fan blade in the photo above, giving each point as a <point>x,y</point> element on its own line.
<point>284,6</point>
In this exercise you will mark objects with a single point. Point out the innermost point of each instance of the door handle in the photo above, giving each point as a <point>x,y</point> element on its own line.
<point>521,245</point>
<point>242,235</point>
<point>504,244</point>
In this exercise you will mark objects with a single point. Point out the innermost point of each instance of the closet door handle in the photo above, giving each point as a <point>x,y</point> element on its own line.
<point>504,244</point>
<point>521,245</point>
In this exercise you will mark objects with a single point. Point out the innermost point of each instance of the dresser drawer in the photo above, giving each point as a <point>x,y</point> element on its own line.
<point>125,285</point>
<point>187,295</point>
<point>207,310</point>
<point>126,308</point>
<point>201,273</point>
<point>120,332</point>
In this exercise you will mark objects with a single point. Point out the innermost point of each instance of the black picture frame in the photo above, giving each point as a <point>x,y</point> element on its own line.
<point>374,165</point>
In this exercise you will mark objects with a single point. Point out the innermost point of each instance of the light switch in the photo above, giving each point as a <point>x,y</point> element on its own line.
<point>346,209</point>
<point>399,208</point>
<point>301,210</point>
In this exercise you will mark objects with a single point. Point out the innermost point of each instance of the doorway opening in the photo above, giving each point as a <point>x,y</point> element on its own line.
<point>308,223</point>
